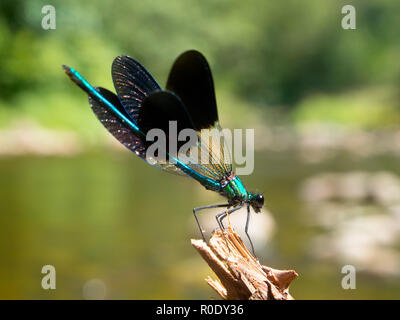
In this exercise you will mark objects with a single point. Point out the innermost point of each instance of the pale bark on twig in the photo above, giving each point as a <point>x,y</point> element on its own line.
<point>240,275</point>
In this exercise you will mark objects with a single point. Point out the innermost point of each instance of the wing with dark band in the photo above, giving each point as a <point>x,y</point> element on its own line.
<point>132,140</point>
<point>191,80</point>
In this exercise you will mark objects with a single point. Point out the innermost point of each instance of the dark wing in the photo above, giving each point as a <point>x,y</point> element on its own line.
<point>192,106</point>
<point>162,107</point>
<point>190,78</point>
<point>133,83</point>
<point>114,125</point>
<point>159,109</point>
<point>132,140</point>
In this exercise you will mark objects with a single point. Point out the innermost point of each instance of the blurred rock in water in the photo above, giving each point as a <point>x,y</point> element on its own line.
<point>382,188</point>
<point>317,143</point>
<point>360,215</point>
<point>385,188</point>
<point>367,242</point>
<point>26,137</point>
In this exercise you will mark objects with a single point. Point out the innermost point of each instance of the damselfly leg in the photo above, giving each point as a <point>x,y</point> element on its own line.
<point>246,229</point>
<point>223,215</point>
<point>203,208</point>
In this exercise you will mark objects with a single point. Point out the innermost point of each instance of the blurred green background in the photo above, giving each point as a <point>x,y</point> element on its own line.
<point>325,105</point>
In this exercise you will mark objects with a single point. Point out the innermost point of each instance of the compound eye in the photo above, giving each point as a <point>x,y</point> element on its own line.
<point>260,200</point>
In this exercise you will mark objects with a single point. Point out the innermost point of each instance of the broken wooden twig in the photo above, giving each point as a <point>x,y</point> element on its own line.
<point>240,275</point>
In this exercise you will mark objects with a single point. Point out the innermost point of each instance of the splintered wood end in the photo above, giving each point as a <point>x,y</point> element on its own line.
<point>240,274</point>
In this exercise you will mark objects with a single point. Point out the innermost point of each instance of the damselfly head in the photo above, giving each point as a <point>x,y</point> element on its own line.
<point>257,201</point>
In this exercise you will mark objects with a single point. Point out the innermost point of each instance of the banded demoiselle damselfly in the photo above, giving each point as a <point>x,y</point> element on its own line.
<point>189,99</point>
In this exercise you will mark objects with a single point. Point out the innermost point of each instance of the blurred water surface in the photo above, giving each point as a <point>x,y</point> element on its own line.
<point>110,219</point>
